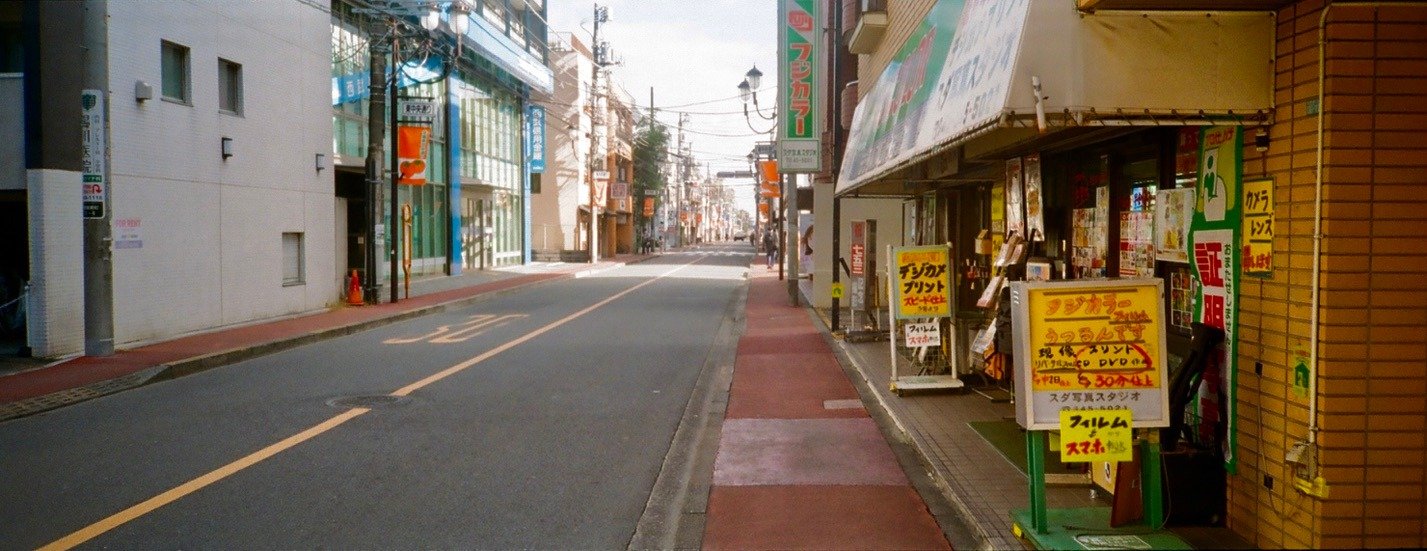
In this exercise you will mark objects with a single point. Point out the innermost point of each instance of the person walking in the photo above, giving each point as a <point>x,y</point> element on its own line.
<point>770,247</point>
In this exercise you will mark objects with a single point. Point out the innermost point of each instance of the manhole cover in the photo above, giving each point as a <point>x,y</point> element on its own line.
<point>374,401</point>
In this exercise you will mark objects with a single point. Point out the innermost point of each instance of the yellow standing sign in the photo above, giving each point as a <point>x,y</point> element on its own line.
<point>1089,345</point>
<point>923,282</point>
<point>1096,435</point>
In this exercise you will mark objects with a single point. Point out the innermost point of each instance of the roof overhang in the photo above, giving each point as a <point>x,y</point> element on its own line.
<point>964,77</point>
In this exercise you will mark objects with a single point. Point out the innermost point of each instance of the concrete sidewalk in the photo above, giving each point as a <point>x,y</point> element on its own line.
<point>81,378</point>
<point>800,463</point>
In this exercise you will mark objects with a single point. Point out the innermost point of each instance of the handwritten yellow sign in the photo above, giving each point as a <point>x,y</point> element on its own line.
<point>1257,257</point>
<point>923,277</point>
<point>1095,435</point>
<point>1090,345</point>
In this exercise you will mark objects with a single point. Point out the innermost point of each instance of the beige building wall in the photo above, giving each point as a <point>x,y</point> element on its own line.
<point>1372,369</point>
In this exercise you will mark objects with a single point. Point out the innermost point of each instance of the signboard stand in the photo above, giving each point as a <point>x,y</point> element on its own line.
<point>1092,350</point>
<point>897,277</point>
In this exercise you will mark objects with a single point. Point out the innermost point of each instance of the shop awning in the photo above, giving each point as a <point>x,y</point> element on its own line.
<point>971,67</point>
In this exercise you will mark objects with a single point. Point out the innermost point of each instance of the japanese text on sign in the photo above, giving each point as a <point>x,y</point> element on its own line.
<point>1257,237</point>
<point>923,334</point>
<point>922,282</point>
<point>1095,435</point>
<point>1090,345</point>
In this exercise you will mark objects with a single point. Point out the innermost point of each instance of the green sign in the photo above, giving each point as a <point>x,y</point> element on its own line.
<point>1214,257</point>
<point>800,64</point>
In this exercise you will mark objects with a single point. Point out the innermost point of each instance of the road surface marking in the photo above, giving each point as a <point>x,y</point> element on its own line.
<point>476,326</point>
<point>150,505</point>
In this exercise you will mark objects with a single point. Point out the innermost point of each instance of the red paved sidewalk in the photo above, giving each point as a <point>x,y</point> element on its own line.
<point>800,464</point>
<point>21,393</point>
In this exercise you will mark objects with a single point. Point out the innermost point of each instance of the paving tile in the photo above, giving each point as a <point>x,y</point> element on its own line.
<point>820,517</point>
<point>754,452</point>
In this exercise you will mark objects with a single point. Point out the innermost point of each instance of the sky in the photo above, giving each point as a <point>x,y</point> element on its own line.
<point>693,53</point>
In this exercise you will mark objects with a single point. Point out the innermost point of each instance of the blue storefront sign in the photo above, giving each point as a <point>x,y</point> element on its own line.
<point>535,137</point>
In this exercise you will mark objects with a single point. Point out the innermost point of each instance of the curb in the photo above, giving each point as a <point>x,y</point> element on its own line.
<point>197,364</point>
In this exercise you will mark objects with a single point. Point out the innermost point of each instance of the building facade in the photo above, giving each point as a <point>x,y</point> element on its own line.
<point>1256,157</point>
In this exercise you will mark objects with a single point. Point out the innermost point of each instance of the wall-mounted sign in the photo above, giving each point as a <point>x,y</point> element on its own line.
<point>1258,227</point>
<point>1214,259</point>
<point>535,138</point>
<point>416,109</point>
<point>1089,345</point>
<point>800,30</point>
<point>921,279</point>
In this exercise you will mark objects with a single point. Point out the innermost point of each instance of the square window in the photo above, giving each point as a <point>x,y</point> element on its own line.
<point>175,72</point>
<point>293,268</point>
<point>230,87</point>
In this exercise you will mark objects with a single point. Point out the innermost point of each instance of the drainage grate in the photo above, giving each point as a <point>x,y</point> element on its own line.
<point>62,398</point>
<point>370,401</point>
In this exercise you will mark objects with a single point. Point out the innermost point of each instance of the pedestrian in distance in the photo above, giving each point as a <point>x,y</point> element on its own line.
<point>770,247</point>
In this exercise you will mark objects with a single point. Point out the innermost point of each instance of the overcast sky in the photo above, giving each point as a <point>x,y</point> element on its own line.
<point>693,53</point>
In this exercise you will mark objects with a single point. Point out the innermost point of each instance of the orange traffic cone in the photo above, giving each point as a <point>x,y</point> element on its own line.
<point>354,291</point>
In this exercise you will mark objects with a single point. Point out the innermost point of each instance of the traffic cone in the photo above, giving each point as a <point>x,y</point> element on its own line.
<point>354,291</point>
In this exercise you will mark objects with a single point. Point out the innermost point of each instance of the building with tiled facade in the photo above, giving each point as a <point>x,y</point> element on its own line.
<point>1325,395</point>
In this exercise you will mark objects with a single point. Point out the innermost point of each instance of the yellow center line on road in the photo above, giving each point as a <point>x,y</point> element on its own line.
<point>149,505</point>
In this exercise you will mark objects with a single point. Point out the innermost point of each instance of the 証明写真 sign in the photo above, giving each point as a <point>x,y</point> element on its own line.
<point>1089,345</point>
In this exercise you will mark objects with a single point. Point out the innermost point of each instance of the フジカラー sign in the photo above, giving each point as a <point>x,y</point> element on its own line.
<point>1096,435</point>
<point>1089,345</point>
<point>800,30</point>
<point>921,278</point>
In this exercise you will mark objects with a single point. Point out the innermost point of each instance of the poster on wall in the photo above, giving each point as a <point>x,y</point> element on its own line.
<point>1258,228</point>
<point>1173,211</point>
<point>1089,345</point>
<point>1214,253</point>
<point>1035,216</point>
<point>1015,199</point>
<point>1136,244</point>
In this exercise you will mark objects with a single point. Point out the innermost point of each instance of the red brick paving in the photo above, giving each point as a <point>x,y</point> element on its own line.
<point>819,517</point>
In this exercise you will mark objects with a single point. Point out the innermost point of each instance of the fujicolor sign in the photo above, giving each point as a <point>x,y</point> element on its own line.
<point>799,53</point>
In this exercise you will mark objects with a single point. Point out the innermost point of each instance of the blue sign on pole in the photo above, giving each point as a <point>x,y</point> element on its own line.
<point>535,137</point>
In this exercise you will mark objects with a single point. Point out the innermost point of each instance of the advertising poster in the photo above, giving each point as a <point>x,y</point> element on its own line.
<point>1015,199</point>
<point>411,150</point>
<point>1090,345</point>
<point>1035,216</point>
<point>922,288</point>
<point>1173,211</point>
<point>1214,260</point>
<point>1258,228</point>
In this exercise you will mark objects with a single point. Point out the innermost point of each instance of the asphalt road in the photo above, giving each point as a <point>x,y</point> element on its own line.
<point>537,419</point>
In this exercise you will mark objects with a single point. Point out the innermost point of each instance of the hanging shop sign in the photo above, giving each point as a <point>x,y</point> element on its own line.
<point>921,281</point>
<point>1035,216</point>
<point>412,148</point>
<point>768,187</point>
<point>93,137</point>
<point>648,206</point>
<point>1015,199</point>
<point>1089,345</point>
<point>535,138</point>
<point>1258,228</point>
<point>1214,253</point>
<point>800,44</point>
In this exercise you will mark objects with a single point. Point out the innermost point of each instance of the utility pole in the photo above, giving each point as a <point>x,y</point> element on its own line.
<point>394,223</point>
<point>98,255</point>
<point>596,119</point>
<point>682,176</point>
<point>376,129</point>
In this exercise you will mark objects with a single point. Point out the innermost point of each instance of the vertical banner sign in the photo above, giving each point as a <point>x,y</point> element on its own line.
<point>411,150</point>
<point>1015,199</point>
<point>1035,216</point>
<point>535,138</point>
<point>800,70</point>
<point>648,206</point>
<point>1214,258</point>
<point>1089,345</point>
<point>768,186</point>
<point>93,139</point>
<point>922,287</point>
<point>1258,228</point>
